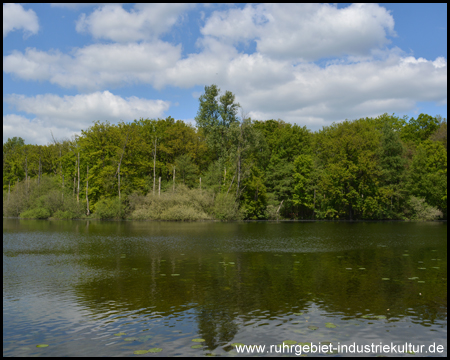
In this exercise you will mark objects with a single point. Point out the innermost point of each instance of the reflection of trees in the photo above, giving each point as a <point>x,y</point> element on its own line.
<point>225,295</point>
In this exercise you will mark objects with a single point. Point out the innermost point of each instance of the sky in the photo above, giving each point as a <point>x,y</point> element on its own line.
<point>68,65</point>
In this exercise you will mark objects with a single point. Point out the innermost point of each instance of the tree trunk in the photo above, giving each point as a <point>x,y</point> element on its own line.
<point>159,187</point>
<point>174,179</point>
<point>87,188</point>
<point>154,170</point>
<point>78,190</point>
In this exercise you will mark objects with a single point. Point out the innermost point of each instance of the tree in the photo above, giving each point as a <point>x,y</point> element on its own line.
<point>420,129</point>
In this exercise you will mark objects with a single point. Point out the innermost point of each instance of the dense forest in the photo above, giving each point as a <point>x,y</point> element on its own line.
<point>230,167</point>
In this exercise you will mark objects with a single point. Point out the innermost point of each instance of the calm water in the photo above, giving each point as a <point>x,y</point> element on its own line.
<point>74,284</point>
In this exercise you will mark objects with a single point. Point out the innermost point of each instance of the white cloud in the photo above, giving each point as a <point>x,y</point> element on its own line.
<point>69,114</point>
<point>16,17</point>
<point>144,22</point>
<point>304,31</point>
<point>94,66</point>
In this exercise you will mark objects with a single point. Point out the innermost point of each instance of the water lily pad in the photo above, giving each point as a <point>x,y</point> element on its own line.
<point>198,346</point>
<point>385,279</point>
<point>422,268</point>
<point>299,313</point>
<point>290,342</point>
<point>413,278</point>
<point>130,339</point>
<point>237,344</point>
<point>380,317</point>
<point>421,281</point>
<point>154,350</point>
<point>330,325</point>
<point>312,327</point>
<point>120,334</point>
<point>174,274</point>
<point>304,343</point>
<point>42,345</point>
<point>362,268</point>
<point>198,340</point>
<point>231,263</point>
<point>140,352</point>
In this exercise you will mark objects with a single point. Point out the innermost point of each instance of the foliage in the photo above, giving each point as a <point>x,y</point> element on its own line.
<point>421,211</point>
<point>369,168</point>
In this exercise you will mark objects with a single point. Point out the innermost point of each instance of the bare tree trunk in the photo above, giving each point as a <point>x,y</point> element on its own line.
<point>78,190</point>
<point>279,207</point>
<point>200,184</point>
<point>87,188</point>
<point>40,168</point>
<point>26,175</point>
<point>62,193</point>
<point>9,189</point>
<point>314,209</point>
<point>231,184</point>
<point>154,169</point>
<point>159,187</point>
<point>120,162</point>
<point>174,179</point>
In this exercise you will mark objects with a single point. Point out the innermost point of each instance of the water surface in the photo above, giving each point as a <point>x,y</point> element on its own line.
<point>76,285</point>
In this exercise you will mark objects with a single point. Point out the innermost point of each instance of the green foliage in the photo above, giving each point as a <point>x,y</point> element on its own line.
<point>183,204</point>
<point>363,169</point>
<point>420,129</point>
<point>111,208</point>
<point>36,213</point>
<point>226,208</point>
<point>421,211</point>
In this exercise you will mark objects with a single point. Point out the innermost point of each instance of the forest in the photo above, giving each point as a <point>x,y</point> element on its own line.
<point>230,167</point>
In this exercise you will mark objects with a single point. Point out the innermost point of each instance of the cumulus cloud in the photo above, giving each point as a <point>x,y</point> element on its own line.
<point>16,17</point>
<point>95,66</point>
<point>69,114</point>
<point>304,31</point>
<point>144,22</point>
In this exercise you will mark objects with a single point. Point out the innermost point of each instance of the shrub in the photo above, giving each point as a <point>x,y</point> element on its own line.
<point>36,213</point>
<point>421,211</point>
<point>226,208</point>
<point>109,209</point>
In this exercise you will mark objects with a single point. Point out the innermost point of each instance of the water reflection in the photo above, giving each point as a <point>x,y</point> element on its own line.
<point>164,284</point>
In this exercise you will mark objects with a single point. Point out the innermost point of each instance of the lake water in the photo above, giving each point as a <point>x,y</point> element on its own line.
<point>91,288</point>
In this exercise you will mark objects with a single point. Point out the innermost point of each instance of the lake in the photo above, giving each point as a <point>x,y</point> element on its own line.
<point>93,288</point>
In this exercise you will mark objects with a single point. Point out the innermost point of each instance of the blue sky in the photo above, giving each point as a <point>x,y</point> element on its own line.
<point>65,66</point>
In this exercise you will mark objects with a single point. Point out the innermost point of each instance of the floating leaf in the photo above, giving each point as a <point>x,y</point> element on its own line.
<point>312,327</point>
<point>42,345</point>
<point>198,340</point>
<point>380,317</point>
<point>130,339</point>
<point>140,352</point>
<point>385,279</point>
<point>231,263</point>
<point>237,344</point>
<point>299,313</point>
<point>198,346</point>
<point>304,343</point>
<point>362,268</point>
<point>154,350</point>
<point>174,274</point>
<point>120,334</point>
<point>420,281</point>
<point>413,278</point>
<point>422,268</point>
<point>290,342</point>
<point>330,325</point>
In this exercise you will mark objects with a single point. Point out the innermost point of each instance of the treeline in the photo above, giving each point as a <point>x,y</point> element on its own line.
<point>230,167</point>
